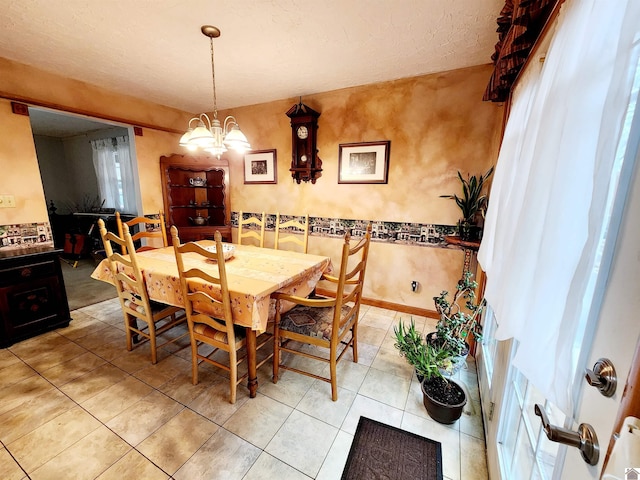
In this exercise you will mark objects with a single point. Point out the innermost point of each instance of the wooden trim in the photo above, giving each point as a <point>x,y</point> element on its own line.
<point>629,403</point>
<point>79,111</point>
<point>422,312</point>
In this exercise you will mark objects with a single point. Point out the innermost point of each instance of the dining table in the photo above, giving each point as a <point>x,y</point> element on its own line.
<point>253,274</point>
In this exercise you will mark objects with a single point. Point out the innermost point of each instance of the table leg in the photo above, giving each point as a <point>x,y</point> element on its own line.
<point>251,362</point>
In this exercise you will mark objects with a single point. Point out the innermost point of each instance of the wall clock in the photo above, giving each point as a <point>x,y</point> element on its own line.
<point>305,164</point>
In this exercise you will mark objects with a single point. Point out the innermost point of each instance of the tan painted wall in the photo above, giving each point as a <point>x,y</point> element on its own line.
<point>437,125</point>
<point>19,171</point>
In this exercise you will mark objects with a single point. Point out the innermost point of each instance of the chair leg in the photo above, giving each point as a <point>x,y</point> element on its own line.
<point>152,339</point>
<point>233,374</point>
<point>194,361</point>
<point>354,344</point>
<point>333,360</point>
<point>276,352</point>
<point>128,321</point>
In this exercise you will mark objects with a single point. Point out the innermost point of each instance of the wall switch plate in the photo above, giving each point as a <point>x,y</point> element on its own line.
<point>7,201</point>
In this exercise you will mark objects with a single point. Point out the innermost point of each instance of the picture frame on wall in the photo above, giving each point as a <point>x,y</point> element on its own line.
<point>260,166</point>
<point>364,162</point>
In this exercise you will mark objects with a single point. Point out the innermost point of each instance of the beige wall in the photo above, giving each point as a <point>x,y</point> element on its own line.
<point>437,124</point>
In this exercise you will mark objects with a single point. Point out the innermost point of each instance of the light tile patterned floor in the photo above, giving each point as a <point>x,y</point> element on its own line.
<point>75,404</point>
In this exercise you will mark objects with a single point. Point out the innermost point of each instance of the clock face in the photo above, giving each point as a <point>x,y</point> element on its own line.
<point>302,132</point>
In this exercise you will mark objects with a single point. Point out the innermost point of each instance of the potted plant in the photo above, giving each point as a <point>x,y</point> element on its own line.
<point>472,204</point>
<point>458,323</point>
<point>443,398</point>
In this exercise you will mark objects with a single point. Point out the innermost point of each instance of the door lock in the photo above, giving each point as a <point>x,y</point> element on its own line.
<point>584,439</point>
<point>603,377</point>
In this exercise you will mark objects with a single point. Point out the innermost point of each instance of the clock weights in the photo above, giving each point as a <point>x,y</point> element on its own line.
<point>305,163</point>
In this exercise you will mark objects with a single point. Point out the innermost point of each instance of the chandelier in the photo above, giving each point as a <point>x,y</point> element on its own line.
<point>209,134</point>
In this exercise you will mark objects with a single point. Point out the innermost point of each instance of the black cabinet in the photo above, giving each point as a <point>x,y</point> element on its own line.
<point>32,295</point>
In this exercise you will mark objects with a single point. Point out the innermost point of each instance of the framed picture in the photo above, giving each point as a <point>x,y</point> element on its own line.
<point>260,166</point>
<point>366,162</point>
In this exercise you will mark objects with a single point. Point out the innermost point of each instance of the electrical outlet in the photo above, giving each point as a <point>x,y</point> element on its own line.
<point>414,286</point>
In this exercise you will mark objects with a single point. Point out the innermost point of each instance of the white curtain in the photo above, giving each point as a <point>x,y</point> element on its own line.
<point>553,188</point>
<point>112,162</point>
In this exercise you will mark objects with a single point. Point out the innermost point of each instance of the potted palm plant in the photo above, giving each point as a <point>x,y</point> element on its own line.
<point>443,398</point>
<point>459,320</point>
<point>472,203</point>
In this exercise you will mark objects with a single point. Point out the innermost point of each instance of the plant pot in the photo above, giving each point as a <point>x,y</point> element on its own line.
<point>457,361</point>
<point>469,232</point>
<point>444,399</point>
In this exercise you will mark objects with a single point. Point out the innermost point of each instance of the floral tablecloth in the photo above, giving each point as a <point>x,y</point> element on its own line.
<point>253,274</point>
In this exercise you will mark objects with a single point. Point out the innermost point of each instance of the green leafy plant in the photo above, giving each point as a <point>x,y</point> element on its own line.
<point>473,201</point>
<point>457,322</point>
<point>427,360</point>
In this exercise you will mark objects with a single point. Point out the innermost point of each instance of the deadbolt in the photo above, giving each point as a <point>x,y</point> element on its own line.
<point>603,377</point>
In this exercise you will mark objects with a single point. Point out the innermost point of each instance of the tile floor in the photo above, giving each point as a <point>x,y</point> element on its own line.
<point>75,404</point>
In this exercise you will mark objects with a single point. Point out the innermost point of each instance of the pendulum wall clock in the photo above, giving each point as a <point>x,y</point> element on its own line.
<point>305,163</point>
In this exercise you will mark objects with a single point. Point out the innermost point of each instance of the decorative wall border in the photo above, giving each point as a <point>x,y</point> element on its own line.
<point>400,233</point>
<point>25,235</point>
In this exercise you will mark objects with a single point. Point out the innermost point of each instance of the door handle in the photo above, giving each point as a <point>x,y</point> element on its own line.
<point>584,439</point>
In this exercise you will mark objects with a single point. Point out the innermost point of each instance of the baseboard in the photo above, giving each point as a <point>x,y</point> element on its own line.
<point>422,312</point>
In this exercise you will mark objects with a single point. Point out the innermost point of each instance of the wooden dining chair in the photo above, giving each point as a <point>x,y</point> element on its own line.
<point>301,229</point>
<point>150,230</point>
<point>136,305</point>
<point>327,323</point>
<point>246,233</point>
<point>209,311</point>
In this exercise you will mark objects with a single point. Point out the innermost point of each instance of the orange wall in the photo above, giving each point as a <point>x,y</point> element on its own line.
<point>437,124</point>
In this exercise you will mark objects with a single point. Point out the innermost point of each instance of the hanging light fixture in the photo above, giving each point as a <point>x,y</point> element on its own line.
<point>211,135</point>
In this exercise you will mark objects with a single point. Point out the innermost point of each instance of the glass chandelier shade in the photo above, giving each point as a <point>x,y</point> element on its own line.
<point>209,135</point>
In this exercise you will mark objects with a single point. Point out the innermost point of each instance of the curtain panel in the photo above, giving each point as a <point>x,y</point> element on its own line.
<point>555,183</point>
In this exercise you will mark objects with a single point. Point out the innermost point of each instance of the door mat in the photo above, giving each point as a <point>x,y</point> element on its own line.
<point>381,451</point>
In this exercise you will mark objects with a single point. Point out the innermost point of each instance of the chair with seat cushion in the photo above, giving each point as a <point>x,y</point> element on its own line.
<point>209,310</point>
<point>244,232</point>
<point>131,286</point>
<point>301,228</point>
<point>326,323</point>
<point>150,230</point>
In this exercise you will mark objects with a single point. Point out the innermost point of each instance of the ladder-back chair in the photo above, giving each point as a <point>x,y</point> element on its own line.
<point>300,237</point>
<point>326,323</point>
<point>246,233</point>
<point>136,305</point>
<point>150,230</point>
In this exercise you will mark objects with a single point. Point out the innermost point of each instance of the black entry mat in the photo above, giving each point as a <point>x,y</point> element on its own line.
<point>381,451</point>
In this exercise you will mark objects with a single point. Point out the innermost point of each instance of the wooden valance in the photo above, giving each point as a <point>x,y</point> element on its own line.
<point>519,26</point>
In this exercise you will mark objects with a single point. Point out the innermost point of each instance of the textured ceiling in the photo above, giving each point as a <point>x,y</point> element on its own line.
<point>268,50</point>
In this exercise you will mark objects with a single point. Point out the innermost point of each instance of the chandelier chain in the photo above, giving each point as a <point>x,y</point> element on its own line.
<point>213,76</point>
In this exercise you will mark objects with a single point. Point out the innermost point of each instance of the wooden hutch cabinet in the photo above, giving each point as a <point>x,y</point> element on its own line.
<point>196,196</point>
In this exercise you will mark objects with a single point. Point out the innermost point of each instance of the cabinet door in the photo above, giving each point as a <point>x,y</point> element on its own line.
<point>31,307</point>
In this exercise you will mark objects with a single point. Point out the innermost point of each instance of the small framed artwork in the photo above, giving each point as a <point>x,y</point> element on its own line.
<point>260,166</point>
<point>366,162</point>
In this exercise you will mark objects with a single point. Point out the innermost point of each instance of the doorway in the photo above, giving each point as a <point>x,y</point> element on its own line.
<point>64,151</point>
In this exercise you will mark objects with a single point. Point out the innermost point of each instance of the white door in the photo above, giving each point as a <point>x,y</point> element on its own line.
<point>517,448</point>
<point>617,333</point>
